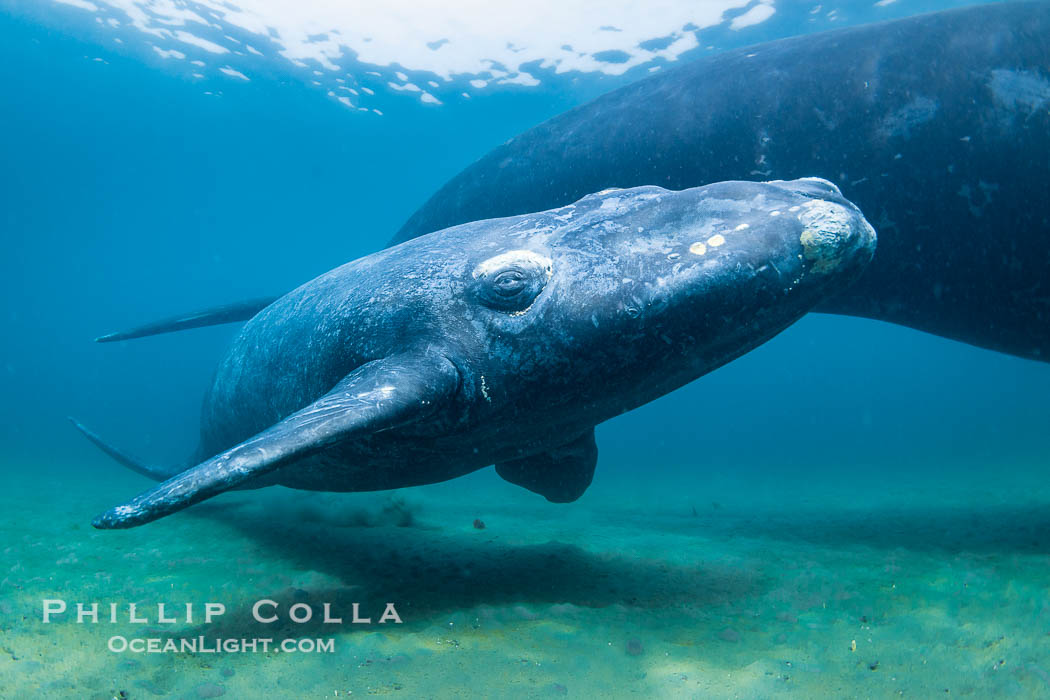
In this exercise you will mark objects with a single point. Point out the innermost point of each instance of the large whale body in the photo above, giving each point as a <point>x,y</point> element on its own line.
<point>505,341</point>
<point>936,126</point>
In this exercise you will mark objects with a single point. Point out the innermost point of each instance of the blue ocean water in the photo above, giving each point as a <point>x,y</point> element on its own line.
<point>132,193</point>
<point>132,190</point>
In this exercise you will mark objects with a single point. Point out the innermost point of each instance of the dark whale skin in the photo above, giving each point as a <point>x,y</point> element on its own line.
<point>506,341</point>
<point>936,126</point>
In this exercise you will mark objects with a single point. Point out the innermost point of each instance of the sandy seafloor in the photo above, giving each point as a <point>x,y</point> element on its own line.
<point>941,582</point>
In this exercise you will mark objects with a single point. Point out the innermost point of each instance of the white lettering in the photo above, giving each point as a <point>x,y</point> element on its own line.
<point>258,605</point>
<point>133,619</point>
<point>305,617</point>
<point>82,613</point>
<point>160,615</point>
<point>213,610</point>
<point>357,620</point>
<point>53,607</point>
<point>328,619</point>
<point>390,613</point>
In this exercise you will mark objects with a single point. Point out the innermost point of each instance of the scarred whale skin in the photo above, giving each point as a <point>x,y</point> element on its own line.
<point>936,126</point>
<point>506,341</point>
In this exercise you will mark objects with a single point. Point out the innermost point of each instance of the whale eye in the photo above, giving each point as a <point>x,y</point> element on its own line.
<point>511,281</point>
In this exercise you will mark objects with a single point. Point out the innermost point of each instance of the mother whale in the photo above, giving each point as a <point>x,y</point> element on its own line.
<point>505,342</point>
<point>936,126</point>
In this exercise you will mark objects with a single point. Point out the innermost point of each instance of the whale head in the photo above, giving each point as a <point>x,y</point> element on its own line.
<point>587,311</point>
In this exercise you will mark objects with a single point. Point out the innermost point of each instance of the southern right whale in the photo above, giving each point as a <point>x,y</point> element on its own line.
<point>936,126</point>
<point>505,341</point>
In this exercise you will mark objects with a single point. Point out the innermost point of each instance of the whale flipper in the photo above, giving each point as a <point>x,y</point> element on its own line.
<point>377,396</point>
<point>560,475</point>
<point>152,472</point>
<point>218,315</point>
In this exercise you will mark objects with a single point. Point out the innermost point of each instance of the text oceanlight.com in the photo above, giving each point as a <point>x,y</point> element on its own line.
<point>201,645</point>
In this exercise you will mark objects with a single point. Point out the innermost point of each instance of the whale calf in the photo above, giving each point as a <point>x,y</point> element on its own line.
<point>936,126</point>
<point>505,341</point>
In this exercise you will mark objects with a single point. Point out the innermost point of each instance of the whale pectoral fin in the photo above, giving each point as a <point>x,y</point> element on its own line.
<point>560,475</point>
<point>377,396</point>
<point>228,313</point>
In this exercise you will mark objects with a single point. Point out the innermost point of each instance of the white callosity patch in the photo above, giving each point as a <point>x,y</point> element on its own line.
<point>829,233</point>
<point>473,41</point>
